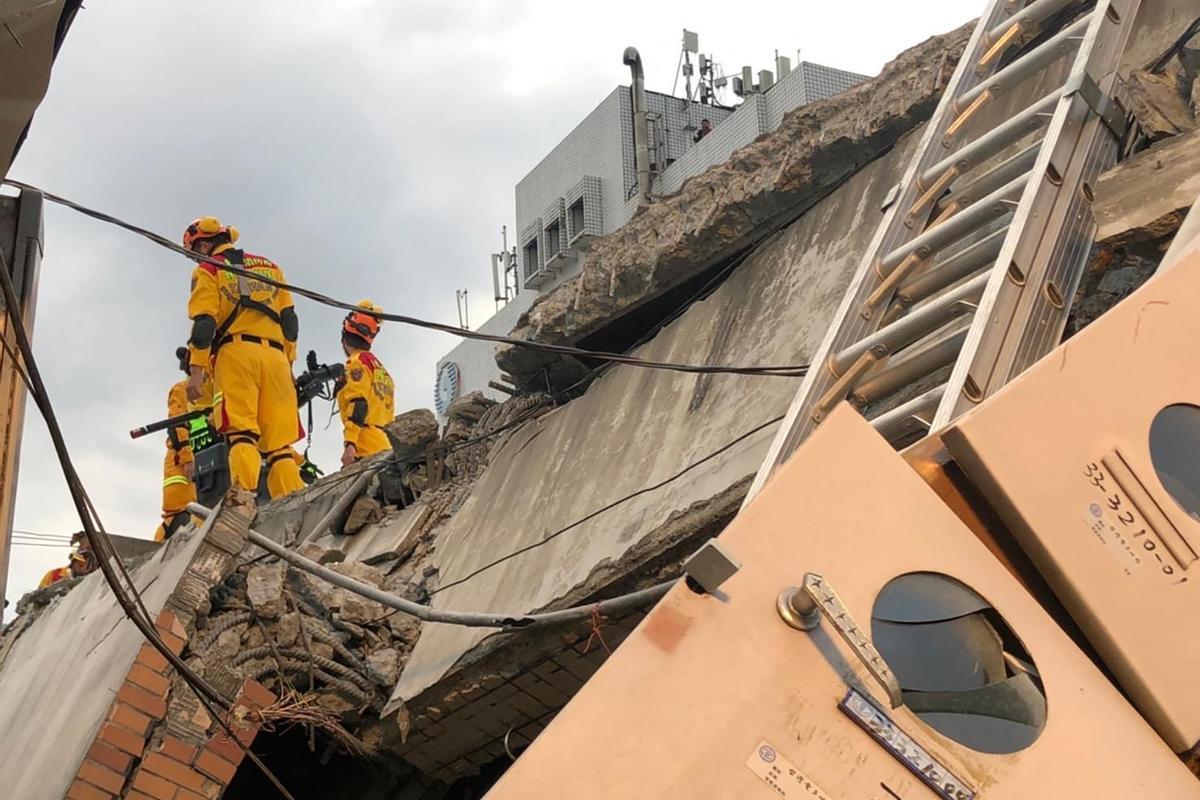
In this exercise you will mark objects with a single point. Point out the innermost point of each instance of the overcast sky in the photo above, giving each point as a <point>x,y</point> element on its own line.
<point>370,148</point>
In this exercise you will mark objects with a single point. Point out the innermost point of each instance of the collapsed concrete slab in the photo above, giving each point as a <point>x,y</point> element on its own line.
<point>730,206</point>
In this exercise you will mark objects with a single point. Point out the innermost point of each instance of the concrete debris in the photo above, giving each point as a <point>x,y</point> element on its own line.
<point>287,631</point>
<point>386,664</point>
<point>352,608</point>
<point>321,555</point>
<point>412,433</point>
<point>469,408</point>
<point>364,511</point>
<point>1145,197</point>
<point>731,206</point>
<point>264,587</point>
<point>361,572</point>
<point>1161,103</point>
<point>1113,274</point>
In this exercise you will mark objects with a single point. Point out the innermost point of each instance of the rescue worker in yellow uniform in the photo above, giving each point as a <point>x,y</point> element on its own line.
<point>366,393</point>
<point>178,489</point>
<point>82,562</point>
<point>252,328</point>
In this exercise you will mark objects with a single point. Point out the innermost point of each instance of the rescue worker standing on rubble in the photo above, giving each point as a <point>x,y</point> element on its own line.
<point>247,329</point>
<point>177,489</point>
<point>366,393</point>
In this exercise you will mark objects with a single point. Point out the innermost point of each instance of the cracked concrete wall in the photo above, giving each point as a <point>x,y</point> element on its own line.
<point>68,664</point>
<point>635,427</point>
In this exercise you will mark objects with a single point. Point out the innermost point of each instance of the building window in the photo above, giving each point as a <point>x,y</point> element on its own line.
<point>583,215</point>
<point>575,216</point>
<point>533,264</point>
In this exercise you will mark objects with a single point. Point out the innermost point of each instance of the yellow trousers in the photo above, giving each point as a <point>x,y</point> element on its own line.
<point>255,407</point>
<point>371,441</point>
<point>177,491</point>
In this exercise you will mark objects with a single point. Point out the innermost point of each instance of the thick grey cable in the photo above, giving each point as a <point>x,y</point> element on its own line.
<point>468,619</point>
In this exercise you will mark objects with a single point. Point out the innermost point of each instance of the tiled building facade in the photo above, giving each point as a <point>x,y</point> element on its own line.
<point>587,186</point>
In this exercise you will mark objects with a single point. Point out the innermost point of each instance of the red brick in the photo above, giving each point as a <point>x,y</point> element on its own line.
<point>122,739</point>
<point>177,749</point>
<point>85,791</point>
<point>172,770</point>
<point>255,692</point>
<point>138,796</point>
<point>216,767</point>
<point>174,643</point>
<point>156,787</point>
<point>149,680</point>
<point>139,698</point>
<point>110,757</point>
<point>150,658</point>
<point>167,622</point>
<point>128,717</point>
<point>226,747</point>
<point>184,794</point>
<point>102,776</point>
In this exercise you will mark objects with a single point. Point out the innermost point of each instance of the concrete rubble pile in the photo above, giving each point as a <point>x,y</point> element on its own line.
<point>294,632</point>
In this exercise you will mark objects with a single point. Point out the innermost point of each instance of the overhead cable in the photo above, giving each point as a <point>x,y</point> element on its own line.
<point>111,566</point>
<point>782,371</point>
<point>608,507</point>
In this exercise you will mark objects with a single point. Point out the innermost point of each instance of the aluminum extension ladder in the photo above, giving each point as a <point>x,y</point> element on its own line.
<point>980,251</point>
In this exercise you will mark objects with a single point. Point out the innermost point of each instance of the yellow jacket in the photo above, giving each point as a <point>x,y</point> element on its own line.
<point>367,382</point>
<point>177,437</point>
<point>54,576</point>
<point>216,294</point>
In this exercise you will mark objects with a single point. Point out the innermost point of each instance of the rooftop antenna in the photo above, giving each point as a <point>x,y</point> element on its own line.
<point>691,44</point>
<point>460,297</point>
<point>504,271</point>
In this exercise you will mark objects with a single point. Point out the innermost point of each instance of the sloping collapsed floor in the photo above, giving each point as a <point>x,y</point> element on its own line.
<point>453,702</point>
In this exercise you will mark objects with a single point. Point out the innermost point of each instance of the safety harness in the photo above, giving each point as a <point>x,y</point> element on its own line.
<point>237,258</point>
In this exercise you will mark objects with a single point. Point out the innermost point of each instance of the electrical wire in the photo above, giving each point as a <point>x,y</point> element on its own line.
<point>108,560</point>
<point>603,509</point>
<point>781,371</point>
<point>469,619</point>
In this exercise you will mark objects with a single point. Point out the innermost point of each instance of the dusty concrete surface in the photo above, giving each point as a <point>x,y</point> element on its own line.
<point>61,673</point>
<point>635,427</point>
<point>731,205</point>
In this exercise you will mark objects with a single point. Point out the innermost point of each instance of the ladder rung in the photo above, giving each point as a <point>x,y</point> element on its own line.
<point>906,330</point>
<point>960,265</point>
<point>995,140</point>
<point>1045,54</point>
<point>1008,170</point>
<point>891,380</point>
<point>1028,18</point>
<point>842,386</point>
<point>994,206</point>
<point>916,414</point>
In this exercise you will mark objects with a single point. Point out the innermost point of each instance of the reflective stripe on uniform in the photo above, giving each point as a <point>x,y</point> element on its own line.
<point>176,479</point>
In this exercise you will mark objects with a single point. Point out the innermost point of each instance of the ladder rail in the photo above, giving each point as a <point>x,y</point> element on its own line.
<point>1007,305</point>
<point>1020,297</point>
<point>886,236</point>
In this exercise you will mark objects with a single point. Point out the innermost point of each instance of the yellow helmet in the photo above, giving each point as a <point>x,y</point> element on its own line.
<point>205,228</point>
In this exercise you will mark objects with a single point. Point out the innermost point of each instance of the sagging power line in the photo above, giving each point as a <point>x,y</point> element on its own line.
<point>780,371</point>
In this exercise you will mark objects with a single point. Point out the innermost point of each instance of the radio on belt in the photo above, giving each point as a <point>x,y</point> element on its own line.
<point>1092,457</point>
<point>859,590</point>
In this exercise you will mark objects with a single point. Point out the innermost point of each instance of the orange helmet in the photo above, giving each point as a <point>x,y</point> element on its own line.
<point>363,325</point>
<point>205,228</point>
